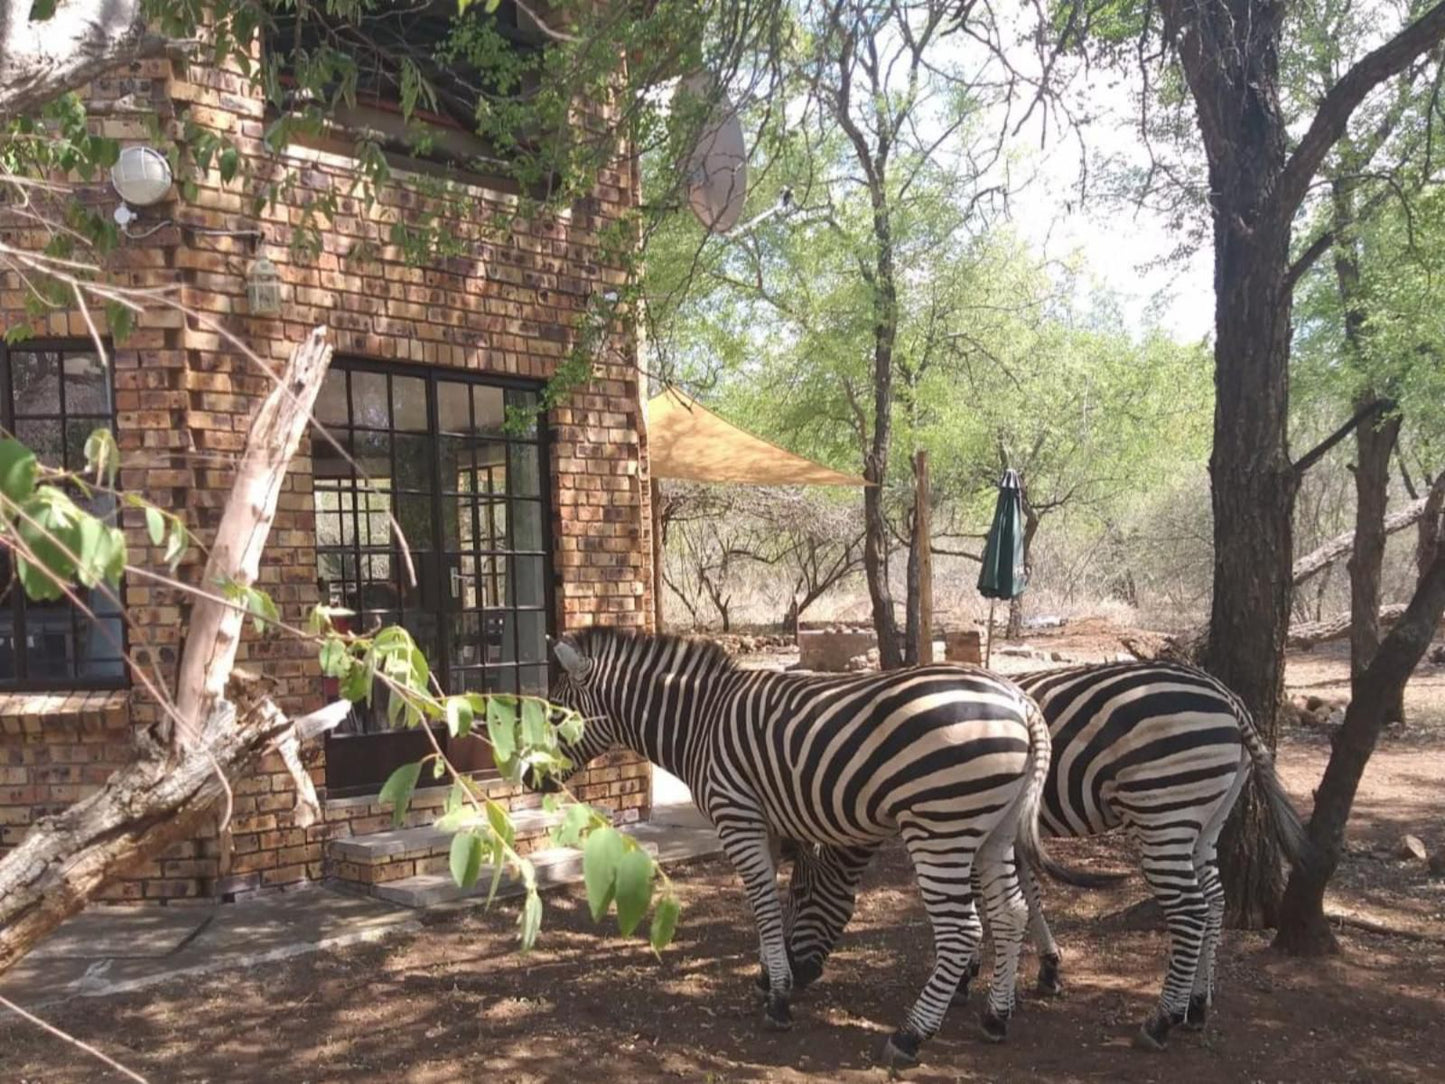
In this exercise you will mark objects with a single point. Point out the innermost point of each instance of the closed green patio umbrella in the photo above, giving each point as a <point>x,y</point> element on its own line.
<point>1003,575</point>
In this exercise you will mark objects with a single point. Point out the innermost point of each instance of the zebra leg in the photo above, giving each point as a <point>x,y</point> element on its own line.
<point>1206,865</point>
<point>975,963</point>
<point>1008,916</point>
<point>1175,884</point>
<point>1043,937</point>
<point>943,867</point>
<point>1202,996</point>
<point>747,848</point>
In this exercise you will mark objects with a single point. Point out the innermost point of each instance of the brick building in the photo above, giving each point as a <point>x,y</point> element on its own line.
<point>513,535</point>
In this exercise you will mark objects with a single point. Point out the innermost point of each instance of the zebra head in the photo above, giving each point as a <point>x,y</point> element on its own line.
<point>574,689</point>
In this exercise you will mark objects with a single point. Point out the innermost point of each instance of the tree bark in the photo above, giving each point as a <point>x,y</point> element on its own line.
<point>172,786</point>
<point>1015,629</point>
<point>41,60</point>
<point>1303,929</point>
<point>1427,543</point>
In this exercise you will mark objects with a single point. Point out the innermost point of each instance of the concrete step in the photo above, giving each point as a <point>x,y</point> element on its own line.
<point>381,848</point>
<point>554,866</point>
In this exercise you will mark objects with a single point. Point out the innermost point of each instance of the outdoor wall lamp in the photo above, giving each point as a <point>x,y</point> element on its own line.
<point>263,288</point>
<point>141,177</point>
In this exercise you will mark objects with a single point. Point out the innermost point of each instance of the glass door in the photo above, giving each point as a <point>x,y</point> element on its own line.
<point>431,454</point>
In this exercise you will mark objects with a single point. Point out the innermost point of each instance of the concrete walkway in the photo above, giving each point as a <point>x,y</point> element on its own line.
<point>120,949</point>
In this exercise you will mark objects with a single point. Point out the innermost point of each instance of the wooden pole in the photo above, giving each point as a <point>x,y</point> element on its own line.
<point>988,644</point>
<point>657,554</point>
<point>923,540</point>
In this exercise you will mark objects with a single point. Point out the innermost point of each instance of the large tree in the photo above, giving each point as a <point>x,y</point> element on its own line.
<point>1229,55</point>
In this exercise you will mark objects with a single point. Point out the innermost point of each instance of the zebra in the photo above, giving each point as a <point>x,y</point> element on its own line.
<point>951,759</point>
<point>1160,749</point>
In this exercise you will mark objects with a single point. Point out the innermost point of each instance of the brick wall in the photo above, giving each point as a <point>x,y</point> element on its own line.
<point>184,396</point>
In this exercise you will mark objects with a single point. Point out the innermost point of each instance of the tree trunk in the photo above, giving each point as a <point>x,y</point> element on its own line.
<point>1303,929</point>
<point>1427,543</point>
<point>875,469</point>
<point>43,59</point>
<point>172,786</point>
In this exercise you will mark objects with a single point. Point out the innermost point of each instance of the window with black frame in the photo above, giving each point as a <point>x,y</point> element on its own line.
<point>53,396</point>
<point>430,452</point>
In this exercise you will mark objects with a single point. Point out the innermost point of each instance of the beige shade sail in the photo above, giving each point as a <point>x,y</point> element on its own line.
<point>687,441</point>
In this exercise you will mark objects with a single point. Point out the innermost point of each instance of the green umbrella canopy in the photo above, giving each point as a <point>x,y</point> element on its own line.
<point>1003,573</point>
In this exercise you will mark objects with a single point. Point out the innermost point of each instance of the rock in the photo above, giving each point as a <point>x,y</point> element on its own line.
<point>1056,656</point>
<point>1411,848</point>
<point>1314,703</point>
<point>1437,653</point>
<point>1336,717</point>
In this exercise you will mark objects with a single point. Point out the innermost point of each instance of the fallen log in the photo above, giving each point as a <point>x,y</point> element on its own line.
<point>1307,634</point>
<point>1341,545</point>
<point>225,721</point>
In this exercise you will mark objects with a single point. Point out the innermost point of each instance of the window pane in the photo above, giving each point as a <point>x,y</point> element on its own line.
<point>527,526</point>
<point>331,402</point>
<point>454,407</point>
<point>530,585</point>
<point>532,636</point>
<point>42,438</point>
<point>369,401</point>
<point>526,401</point>
<point>489,413</point>
<point>525,462</point>
<point>35,377</point>
<point>408,399</point>
<point>87,385</point>
<point>534,680</point>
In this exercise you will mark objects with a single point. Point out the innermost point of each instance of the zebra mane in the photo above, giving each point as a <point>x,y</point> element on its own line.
<point>629,645</point>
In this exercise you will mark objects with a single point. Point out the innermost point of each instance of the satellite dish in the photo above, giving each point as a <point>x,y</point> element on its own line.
<point>717,170</point>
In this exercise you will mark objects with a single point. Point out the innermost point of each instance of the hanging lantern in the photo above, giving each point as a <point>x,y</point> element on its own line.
<point>263,288</point>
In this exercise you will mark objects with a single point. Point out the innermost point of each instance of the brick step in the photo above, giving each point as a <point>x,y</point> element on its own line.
<point>405,852</point>
<point>554,866</point>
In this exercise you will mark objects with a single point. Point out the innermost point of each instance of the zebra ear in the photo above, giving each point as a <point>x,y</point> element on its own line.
<point>571,659</point>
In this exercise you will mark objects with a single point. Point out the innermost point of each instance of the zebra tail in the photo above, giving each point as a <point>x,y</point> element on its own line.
<point>1289,830</point>
<point>1029,843</point>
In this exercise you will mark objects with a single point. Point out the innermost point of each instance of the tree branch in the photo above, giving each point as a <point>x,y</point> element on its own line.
<point>43,59</point>
<point>1320,450</point>
<point>1344,97</point>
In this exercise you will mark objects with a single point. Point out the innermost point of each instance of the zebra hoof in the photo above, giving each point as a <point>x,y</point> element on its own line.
<point>1198,1013</point>
<point>901,1051</point>
<point>1049,984</point>
<point>1154,1035</point>
<point>993,1026</point>
<point>777,1014</point>
<point>806,972</point>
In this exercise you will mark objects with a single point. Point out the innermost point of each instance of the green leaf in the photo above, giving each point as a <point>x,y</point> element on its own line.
<point>570,728</point>
<point>500,822</point>
<point>102,456</point>
<point>155,526</point>
<point>459,716</point>
<point>261,605</point>
<point>536,734</point>
<point>42,10</point>
<point>356,683</point>
<point>466,859</point>
<point>176,544</point>
<point>664,922</point>
<point>502,729</point>
<point>531,920</point>
<point>634,889</point>
<point>456,798</point>
<point>230,161</point>
<point>575,821</point>
<point>49,530</point>
<point>600,856</point>
<point>335,659</point>
<point>17,470</point>
<point>398,788</point>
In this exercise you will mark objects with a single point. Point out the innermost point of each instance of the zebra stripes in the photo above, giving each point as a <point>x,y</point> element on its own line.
<point>951,759</point>
<point>1159,749</point>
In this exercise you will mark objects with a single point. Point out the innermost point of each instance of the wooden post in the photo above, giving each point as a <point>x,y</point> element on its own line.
<point>923,540</point>
<point>657,554</point>
<point>988,644</point>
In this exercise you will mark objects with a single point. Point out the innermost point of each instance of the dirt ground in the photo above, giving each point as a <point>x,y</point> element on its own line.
<point>456,1003</point>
